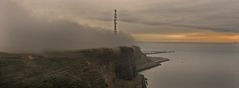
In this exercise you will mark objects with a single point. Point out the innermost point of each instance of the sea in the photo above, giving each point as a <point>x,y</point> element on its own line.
<point>194,65</point>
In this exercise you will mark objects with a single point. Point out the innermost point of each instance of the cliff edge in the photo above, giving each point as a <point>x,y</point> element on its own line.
<point>90,68</point>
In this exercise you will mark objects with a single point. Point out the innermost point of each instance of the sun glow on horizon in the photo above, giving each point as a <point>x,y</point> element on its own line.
<point>189,37</point>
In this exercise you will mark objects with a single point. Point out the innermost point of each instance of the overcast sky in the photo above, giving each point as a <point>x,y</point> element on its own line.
<point>150,20</point>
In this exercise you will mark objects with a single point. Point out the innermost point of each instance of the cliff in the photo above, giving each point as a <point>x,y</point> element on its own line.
<point>89,68</point>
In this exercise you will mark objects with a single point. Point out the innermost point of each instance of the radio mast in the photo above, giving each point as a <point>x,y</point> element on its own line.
<point>115,22</point>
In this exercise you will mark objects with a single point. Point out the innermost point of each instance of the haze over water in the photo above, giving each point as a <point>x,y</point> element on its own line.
<point>195,66</point>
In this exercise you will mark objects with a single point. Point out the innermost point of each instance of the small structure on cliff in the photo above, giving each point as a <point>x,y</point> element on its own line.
<point>90,68</point>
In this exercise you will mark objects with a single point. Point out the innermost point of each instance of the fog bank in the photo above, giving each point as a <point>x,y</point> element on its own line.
<point>21,31</point>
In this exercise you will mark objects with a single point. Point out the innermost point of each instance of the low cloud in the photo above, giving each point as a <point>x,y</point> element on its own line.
<point>24,32</point>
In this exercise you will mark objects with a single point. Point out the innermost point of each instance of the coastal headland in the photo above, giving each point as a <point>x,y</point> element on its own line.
<point>117,67</point>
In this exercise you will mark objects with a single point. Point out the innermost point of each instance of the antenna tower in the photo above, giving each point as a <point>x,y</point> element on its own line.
<point>115,21</point>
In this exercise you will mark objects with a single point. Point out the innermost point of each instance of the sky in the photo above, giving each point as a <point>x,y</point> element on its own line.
<point>150,20</point>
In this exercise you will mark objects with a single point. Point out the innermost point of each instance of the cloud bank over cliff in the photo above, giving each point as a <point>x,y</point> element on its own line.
<point>22,31</point>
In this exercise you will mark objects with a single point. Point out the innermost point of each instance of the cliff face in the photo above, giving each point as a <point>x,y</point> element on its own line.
<point>90,68</point>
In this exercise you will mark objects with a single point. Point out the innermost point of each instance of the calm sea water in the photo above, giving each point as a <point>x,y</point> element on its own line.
<point>195,66</point>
